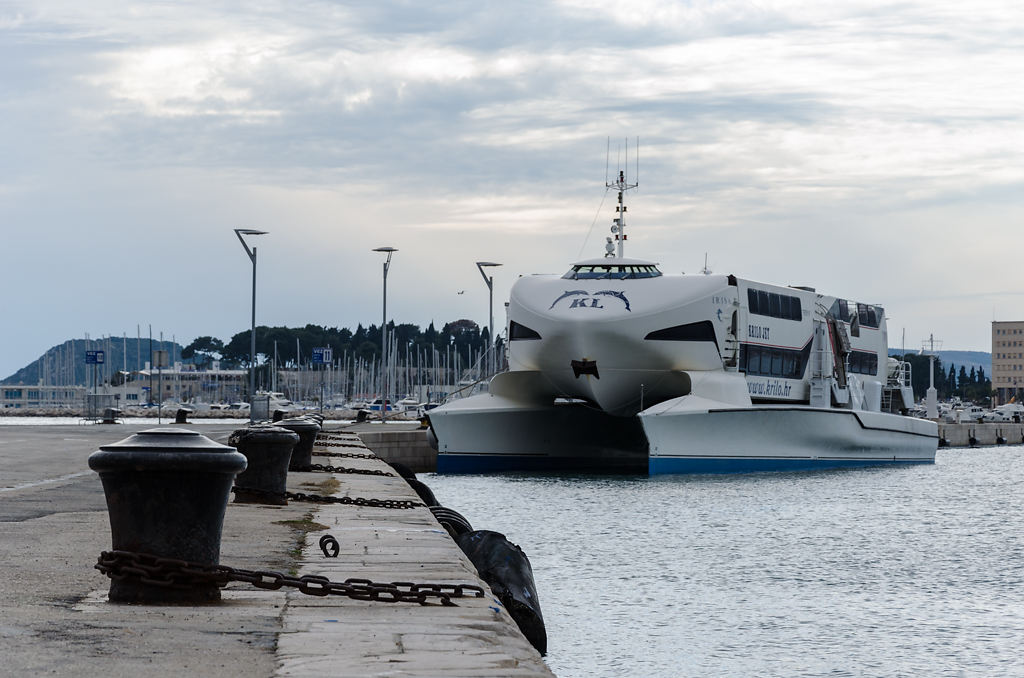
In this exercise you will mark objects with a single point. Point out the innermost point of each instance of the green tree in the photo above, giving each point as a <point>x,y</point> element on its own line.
<point>203,349</point>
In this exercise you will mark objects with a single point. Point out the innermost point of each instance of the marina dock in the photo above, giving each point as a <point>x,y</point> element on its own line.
<point>55,619</point>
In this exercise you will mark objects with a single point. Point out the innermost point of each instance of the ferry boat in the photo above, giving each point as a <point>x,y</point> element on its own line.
<point>617,367</point>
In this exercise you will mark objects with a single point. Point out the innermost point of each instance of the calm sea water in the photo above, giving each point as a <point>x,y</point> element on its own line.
<point>907,571</point>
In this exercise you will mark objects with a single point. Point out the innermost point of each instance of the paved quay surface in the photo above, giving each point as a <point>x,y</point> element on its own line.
<point>55,620</point>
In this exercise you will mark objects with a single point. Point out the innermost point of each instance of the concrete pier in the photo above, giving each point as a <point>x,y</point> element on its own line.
<point>54,618</point>
<point>971,435</point>
<point>404,442</point>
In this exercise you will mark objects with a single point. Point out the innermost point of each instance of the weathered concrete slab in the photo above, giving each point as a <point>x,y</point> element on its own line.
<point>54,618</point>
<point>477,638</point>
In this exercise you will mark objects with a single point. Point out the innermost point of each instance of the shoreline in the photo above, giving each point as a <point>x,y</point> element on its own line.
<point>169,413</point>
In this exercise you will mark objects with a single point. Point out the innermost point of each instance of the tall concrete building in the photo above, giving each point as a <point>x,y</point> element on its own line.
<point>1007,359</point>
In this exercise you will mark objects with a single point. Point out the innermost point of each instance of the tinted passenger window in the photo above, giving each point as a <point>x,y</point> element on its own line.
<point>773,304</point>
<point>762,302</point>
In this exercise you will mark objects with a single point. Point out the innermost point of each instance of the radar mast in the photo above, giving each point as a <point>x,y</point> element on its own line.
<point>621,184</point>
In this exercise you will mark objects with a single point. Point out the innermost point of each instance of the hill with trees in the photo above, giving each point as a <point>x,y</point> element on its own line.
<point>65,363</point>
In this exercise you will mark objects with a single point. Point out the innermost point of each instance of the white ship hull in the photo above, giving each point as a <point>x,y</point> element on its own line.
<point>780,438</point>
<point>490,434</point>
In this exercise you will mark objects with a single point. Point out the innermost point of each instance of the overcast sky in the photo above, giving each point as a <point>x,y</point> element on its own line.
<point>873,150</point>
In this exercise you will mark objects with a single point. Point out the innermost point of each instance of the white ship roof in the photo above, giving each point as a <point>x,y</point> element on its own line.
<point>614,261</point>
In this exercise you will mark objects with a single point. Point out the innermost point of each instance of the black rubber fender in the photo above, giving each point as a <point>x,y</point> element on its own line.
<point>508,572</point>
<point>451,520</point>
<point>402,469</point>
<point>431,436</point>
<point>423,491</point>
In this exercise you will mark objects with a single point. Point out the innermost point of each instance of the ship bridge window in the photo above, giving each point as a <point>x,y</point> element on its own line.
<point>774,305</point>
<point>518,332</point>
<point>611,272</point>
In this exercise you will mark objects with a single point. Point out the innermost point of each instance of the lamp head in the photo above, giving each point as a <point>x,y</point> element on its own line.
<point>385,249</point>
<point>249,231</point>
<point>486,263</point>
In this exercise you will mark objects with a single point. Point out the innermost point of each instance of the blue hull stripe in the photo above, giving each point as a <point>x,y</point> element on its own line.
<point>510,463</point>
<point>665,465</point>
<point>505,463</point>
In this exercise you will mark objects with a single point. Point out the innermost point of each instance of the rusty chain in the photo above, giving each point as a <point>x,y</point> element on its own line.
<point>323,499</point>
<point>346,455</point>
<point>327,468</point>
<point>180,574</point>
<point>327,443</point>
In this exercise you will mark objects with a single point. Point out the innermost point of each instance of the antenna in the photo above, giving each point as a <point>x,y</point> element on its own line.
<point>619,223</point>
<point>607,153</point>
<point>928,348</point>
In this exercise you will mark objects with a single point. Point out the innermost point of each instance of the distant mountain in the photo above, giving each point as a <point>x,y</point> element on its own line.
<point>64,364</point>
<point>968,359</point>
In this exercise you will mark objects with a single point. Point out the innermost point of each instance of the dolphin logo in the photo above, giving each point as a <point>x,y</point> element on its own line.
<point>618,295</point>
<point>567,293</point>
<point>606,293</point>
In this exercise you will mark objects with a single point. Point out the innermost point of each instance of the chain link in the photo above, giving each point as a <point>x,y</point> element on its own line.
<point>179,574</point>
<point>326,468</point>
<point>330,546</point>
<point>323,499</point>
<point>348,455</point>
<point>328,443</point>
<point>352,439</point>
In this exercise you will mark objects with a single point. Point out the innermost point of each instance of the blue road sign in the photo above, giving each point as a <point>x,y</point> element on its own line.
<point>94,357</point>
<point>322,355</point>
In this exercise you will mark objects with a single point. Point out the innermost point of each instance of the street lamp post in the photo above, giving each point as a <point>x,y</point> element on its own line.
<point>384,336</point>
<point>490,303</point>
<point>252,330</point>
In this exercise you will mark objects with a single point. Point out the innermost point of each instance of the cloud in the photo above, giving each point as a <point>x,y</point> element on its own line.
<point>791,140</point>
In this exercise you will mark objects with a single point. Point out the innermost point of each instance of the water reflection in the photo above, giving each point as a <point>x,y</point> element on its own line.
<point>910,570</point>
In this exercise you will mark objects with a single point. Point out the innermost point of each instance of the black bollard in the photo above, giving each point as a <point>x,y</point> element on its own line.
<point>181,416</point>
<point>268,450</point>
<point>302,453</point>
<point>277,416</point>
<point>507,570</point>
<point>167,490</point>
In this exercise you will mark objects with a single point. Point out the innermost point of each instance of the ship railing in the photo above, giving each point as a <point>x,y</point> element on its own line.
<point>490,363</point>
<point>903,375</point>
